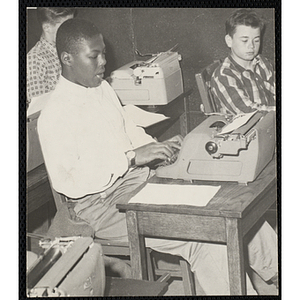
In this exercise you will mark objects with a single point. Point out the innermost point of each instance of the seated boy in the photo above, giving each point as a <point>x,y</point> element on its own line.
<point>96,156</point>
<point>43,66</point>
<point>244,82</point>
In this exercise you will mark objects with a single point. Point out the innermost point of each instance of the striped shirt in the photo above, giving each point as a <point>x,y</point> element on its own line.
<point>237,90</point>
<point>43,69</point>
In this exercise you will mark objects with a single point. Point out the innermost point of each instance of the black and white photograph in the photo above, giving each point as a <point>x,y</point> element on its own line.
<point>152,151</point>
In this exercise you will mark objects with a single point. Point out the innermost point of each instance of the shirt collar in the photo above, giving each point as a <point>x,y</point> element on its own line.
<point>46,42</point>
<point>76,88</point>
<point>241,69</point>
<point>48,45</point>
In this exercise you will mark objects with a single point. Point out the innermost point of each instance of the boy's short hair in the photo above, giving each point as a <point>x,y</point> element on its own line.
<point>53,14</point>
<point>72,33</point>
<point>243,16</point>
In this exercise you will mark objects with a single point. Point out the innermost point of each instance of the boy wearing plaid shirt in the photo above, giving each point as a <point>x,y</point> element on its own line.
<point>245,81</point>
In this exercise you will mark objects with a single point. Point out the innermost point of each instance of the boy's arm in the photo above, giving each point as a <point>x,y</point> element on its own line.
<point>231,94</point>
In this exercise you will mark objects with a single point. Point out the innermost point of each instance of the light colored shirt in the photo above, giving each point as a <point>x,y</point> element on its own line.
<point>84,134</point>
<point>43,69</point>
<point>237,90</point>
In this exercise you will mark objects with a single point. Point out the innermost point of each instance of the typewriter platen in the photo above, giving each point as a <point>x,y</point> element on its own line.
<point>239,155</point>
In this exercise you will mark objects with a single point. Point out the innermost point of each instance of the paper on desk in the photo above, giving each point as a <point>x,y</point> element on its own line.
<point>196,195</point>
<point>143,118</point>
<point>238,121</point>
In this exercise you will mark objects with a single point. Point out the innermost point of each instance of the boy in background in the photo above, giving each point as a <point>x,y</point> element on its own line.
<point>43,66</point>
<point>245,81</point>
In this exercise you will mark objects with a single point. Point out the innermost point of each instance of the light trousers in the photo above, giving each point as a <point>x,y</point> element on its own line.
<point>208,261</point>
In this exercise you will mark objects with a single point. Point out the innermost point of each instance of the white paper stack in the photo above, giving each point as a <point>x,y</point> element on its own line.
<point>196,195</point>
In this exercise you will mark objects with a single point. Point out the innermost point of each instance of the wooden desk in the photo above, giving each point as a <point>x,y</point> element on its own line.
<point>225,219</point>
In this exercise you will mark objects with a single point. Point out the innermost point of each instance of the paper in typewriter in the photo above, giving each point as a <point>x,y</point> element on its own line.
<point>196,195</point>
<point>238,121</point>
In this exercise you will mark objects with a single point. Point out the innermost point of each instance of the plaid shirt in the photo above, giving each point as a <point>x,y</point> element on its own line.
<point>237,90</point>
<point>43,69</point>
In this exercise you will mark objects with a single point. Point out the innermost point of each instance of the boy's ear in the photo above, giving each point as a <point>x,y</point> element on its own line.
<point>66,58</point>
<point>46,27</point>
<point>228,40</point>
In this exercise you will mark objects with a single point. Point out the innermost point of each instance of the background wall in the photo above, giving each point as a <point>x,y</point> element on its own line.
<point>199,33</point>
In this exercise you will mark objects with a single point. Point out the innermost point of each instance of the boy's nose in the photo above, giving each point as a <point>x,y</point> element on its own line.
<point>101,60</point>
<point>251,45</point>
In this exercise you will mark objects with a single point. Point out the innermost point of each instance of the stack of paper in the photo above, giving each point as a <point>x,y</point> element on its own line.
<point>197,195</point>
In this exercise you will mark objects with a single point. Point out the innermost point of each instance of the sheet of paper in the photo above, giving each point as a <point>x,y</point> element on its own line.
<point>143,118</point>
<point>237,122</point>
<point>196,195</point>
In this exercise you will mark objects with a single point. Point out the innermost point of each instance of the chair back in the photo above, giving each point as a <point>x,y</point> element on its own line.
<point>35,156</point>
<point>203,83</point>
<point>59,199</point>
<point>34,152</point>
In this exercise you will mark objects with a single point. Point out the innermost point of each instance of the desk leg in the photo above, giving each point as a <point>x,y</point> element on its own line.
<point>137,247</point>
<point>235,254</point>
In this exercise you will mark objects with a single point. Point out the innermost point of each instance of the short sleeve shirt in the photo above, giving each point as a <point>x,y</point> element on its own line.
<point>43,69</point>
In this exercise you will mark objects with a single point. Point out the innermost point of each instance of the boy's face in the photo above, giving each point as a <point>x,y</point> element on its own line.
<point>244,44</point>
<point>87,65</point>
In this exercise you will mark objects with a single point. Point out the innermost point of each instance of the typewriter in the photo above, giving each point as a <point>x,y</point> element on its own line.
<point>210,152</point>
<point>69,266</point>
<point>156,81</point>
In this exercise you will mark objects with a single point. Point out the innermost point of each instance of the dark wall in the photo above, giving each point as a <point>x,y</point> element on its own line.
<point>199,33</point>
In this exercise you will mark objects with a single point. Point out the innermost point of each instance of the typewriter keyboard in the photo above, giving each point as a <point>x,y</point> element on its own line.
<point>170,160</point>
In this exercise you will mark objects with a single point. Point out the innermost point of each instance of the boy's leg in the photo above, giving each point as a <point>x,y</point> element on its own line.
<point>262,251</point>
<point>100,211</point>
<point>208,262</point>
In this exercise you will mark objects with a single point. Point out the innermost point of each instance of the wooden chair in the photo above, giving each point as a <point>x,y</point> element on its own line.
<point>34,152</point>
<point>180,269</point>
<point>203,83</point>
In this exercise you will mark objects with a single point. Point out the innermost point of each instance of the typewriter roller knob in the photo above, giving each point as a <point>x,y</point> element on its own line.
<point>211,147</point>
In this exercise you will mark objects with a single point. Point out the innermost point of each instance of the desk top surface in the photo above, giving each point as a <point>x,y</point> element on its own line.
<point>232,200</point>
